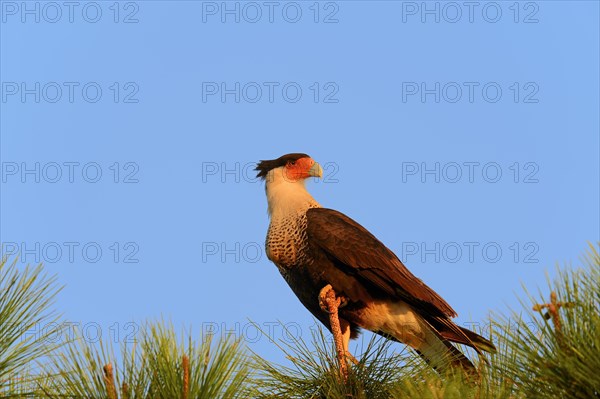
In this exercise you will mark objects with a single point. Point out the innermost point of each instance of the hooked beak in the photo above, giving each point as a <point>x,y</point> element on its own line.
<point>315,170</point>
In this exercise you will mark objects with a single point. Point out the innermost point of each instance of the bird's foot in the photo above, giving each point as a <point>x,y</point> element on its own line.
<point>326,294</point>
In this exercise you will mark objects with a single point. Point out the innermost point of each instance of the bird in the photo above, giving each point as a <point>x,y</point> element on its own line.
<point>321,251</point>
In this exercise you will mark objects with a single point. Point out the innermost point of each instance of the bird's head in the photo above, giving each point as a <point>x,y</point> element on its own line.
<point>290,168</point>
<point>285,178</point>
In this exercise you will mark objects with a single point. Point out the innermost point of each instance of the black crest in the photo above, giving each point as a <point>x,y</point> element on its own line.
<point>263,167</point>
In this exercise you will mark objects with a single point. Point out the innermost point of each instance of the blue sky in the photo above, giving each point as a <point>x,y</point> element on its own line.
<point>465,137</point>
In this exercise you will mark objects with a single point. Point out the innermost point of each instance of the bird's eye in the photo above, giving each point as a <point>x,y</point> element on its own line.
<point>291,163</point>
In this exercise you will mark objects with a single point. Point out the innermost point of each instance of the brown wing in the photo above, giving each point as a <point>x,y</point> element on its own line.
<point>359,252</point>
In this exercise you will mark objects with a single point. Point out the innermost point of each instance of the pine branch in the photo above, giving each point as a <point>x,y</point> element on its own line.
<point>27,325</point>
<point>154,368</point>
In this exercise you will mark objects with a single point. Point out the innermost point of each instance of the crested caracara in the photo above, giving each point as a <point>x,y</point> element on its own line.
<point>314,247</point>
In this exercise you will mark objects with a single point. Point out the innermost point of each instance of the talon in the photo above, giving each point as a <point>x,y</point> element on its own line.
<point>323,297</point>
<point>327,291</point>
<point>343,301</point>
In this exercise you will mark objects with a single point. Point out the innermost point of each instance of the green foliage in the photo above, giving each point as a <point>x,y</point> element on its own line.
<point>158,367</point>
<point>27,325</point>
<point>558,357</point>
<point>314,373</point>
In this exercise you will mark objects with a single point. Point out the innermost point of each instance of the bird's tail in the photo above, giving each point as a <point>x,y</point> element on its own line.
<point>440,354</point>
<point>477,341</point>
<point>432,337</point>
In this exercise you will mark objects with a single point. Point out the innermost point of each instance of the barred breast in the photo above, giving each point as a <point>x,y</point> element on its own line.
<point>286,243</point>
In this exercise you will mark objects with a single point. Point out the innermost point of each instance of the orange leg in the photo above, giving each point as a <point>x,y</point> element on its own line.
<point>339,327</point>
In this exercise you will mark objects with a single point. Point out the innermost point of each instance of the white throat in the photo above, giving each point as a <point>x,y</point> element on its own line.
<point>286,197</point>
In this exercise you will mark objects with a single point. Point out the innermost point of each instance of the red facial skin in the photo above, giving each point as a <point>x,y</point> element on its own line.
<point>298,170</point>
